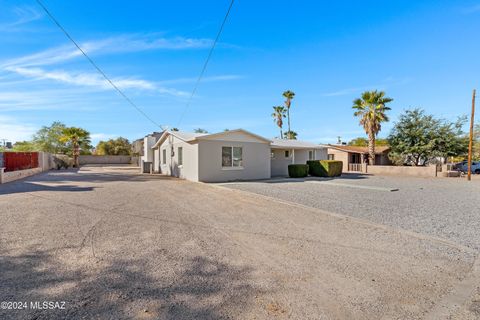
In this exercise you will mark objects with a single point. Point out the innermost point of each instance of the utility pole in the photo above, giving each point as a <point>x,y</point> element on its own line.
<point>470,144</point>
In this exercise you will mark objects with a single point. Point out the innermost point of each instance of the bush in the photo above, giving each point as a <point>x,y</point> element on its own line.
<point>325,168</point>
<point>297,170</point>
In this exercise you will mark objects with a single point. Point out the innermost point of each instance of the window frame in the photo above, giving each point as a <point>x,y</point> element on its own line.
<point>180,156</point>
<point>331,156</point>
<point>311,152</point>
<point>287,153</point>
<point>232,158</point>
<point>164,156</point>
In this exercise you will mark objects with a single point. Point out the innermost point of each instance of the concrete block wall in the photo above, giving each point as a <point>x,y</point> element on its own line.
<point>429,171</point>
<point>92,159</point>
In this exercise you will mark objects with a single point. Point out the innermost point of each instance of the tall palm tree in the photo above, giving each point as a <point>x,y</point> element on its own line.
<point>77,137</point>
<point>278,115</point>
<point>288,95</point>
<point>371,110</point>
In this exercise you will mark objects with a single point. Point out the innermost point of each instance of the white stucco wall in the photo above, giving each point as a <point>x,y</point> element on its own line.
<point>189,169</point>
<point>255,154</point>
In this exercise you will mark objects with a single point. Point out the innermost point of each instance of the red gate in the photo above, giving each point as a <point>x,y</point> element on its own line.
<point>20,160</point>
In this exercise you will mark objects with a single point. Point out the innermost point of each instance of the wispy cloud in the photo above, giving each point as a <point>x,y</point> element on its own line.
<point>23,15</point>
<point>112,45</point>
<point>13,130</point>
<point>38,66</point>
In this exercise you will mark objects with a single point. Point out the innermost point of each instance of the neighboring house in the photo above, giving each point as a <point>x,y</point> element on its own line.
<point>285,152</point>
<point>141,147</point>
<point>227,156</point>
<point>353,157</point>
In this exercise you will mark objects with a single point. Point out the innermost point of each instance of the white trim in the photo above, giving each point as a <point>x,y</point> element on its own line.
<point>232,168</point>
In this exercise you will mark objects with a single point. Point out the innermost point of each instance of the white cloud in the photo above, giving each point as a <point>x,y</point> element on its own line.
<point>111,45</point>
<point>29,66</point>
<point>92,80</point>
<point>13,131</point>
<point>24,15</point>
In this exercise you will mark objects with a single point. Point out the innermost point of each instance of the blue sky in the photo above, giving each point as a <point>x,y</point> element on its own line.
<point>422,53</point>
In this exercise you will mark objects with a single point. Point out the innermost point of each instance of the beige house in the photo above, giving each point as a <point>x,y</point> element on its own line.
<point>353,157</point>
<point>228,156</point>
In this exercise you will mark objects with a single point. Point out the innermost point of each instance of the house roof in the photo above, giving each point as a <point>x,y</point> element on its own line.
<point>191,136</point>
<point>357,149</point>
<point>294,144</point>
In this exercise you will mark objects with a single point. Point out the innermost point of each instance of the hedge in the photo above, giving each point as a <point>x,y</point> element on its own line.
<point>297,170</point>
<point>325,168</point>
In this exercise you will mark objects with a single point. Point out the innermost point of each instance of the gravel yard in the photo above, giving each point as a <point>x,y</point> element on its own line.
<point>113,244</point>
<point>445,207</point>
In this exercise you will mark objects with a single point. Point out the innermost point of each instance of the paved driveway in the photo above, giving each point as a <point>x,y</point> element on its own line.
<point>116,245</point>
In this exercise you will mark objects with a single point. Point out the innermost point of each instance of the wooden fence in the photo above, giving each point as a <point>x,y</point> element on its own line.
<point>13,161</point>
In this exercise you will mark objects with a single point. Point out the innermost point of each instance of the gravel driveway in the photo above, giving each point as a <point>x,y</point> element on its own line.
<point>113,244</point>
<point>445,207</point>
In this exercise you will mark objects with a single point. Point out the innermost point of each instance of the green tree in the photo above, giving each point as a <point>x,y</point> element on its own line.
<point>200,130</point>
<point>476,142</point>
<point>48,138</point>
<point>371,110</point>
<point>292,135</point>
<point>363,142</point>
<point>418,138</point>
<point>25,146</point>
<point>114,147</point>
<point>288,95</point>
<point>78,139</point>
<point>278,115</point>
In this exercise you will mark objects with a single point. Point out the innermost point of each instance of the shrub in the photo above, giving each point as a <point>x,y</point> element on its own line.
<point>297,170</point>
<point>325,168</point>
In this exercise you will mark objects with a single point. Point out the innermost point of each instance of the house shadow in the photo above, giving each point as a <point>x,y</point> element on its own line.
<point>203,288</point>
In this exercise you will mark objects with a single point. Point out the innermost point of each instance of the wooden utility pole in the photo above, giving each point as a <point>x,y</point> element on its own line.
<point>470,144</point>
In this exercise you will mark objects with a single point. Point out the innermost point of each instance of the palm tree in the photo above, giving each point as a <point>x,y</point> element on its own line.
<point>77,137</point>
<point>292,135</point>
<point>278,115</point>
<point>288,95</point>
<point>371,109</point>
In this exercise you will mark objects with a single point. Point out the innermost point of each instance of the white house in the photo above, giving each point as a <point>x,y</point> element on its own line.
<point>228,156</point>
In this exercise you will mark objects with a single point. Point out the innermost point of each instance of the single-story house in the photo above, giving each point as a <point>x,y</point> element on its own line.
<point>353,156</point>
<point>228,156</point>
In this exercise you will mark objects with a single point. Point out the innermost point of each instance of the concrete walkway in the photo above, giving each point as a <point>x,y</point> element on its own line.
<point>115,244</point>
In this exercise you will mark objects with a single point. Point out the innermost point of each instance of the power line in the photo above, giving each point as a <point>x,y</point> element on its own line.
<point>97,67</point>
<point>206,63</point>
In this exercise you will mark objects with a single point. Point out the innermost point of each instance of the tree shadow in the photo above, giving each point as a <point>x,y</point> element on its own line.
<point>200,288</point>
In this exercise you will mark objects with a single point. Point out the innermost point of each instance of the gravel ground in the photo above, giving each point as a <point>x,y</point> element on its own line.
<point>116,245</point>
<point>445,207</point>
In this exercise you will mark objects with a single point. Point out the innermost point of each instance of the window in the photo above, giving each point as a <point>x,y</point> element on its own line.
<point>287,153</point>
<point>232,157</point>
<point>331,157</point>
<point>164,156</point>
<point>311,155</point>
<point>180,156</point>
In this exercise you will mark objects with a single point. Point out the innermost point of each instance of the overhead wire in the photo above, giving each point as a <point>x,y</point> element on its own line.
<point>204,68</point>
<point>57,23</point>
